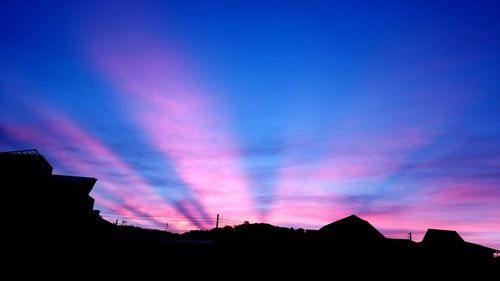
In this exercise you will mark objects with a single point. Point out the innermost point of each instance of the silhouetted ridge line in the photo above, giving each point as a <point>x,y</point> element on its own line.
<point>61,202</point>
<point>352,228</point>
<point>33,152</point>
<point>62,221</point>
<point>437,236</point>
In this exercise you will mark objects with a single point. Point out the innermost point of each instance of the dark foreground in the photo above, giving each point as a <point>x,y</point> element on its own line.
<point>247,250</point>
<point>51,230</point>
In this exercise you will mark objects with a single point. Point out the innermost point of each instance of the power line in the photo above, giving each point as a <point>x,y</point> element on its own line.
<point>179,222</point>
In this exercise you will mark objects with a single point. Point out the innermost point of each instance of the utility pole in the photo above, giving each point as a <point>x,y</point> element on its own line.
<point>217,222</point>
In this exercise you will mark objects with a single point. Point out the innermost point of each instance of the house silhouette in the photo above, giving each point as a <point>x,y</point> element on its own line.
<point>447,245</point>
<point>55,213</point>
<point>55,199</point>
<point>352,229</point>
<point>49,212</point>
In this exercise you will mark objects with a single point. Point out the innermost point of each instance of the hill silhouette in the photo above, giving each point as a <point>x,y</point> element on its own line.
<point>64,226</point>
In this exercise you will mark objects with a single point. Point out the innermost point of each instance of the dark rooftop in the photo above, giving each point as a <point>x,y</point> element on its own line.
<point>352,228</point>
<point>27,161</point>
<point>434,236</point>
<point>23,152</point>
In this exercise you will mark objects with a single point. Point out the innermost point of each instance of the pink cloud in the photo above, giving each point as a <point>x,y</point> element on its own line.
<point>360,157</point>
<point>354,163</point>
<point>136,194</point>
<point>349,161</point>
<point>468,191</point>
<point>121,213</point>
<point>468,206</point>
<point>351,165</point>
<point>181,119</point>
<point>475,221</point>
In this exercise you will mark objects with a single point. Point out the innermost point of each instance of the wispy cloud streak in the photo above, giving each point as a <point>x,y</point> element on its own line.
<point>79,152</point>
<point>182,120</point>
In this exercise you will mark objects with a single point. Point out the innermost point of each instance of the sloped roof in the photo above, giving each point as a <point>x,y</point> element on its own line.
<point>77,184</point>
<point>484,248</point>
<point>352,228</point>
<point>442,236</point>
<point>25,162</point>
<point>449,239</point>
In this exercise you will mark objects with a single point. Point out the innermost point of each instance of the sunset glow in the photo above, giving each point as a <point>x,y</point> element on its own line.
<point>295,114</point>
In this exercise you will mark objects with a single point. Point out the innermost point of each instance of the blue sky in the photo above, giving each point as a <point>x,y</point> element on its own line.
<point>295,113</point>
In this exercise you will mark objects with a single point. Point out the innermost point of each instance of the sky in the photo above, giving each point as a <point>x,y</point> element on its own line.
<point>294,113</point>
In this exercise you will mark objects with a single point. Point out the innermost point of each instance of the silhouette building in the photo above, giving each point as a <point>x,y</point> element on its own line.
<point>352,228</point>
<point>448,244</point>
<point>56,212</point>
<point>41,197</point>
